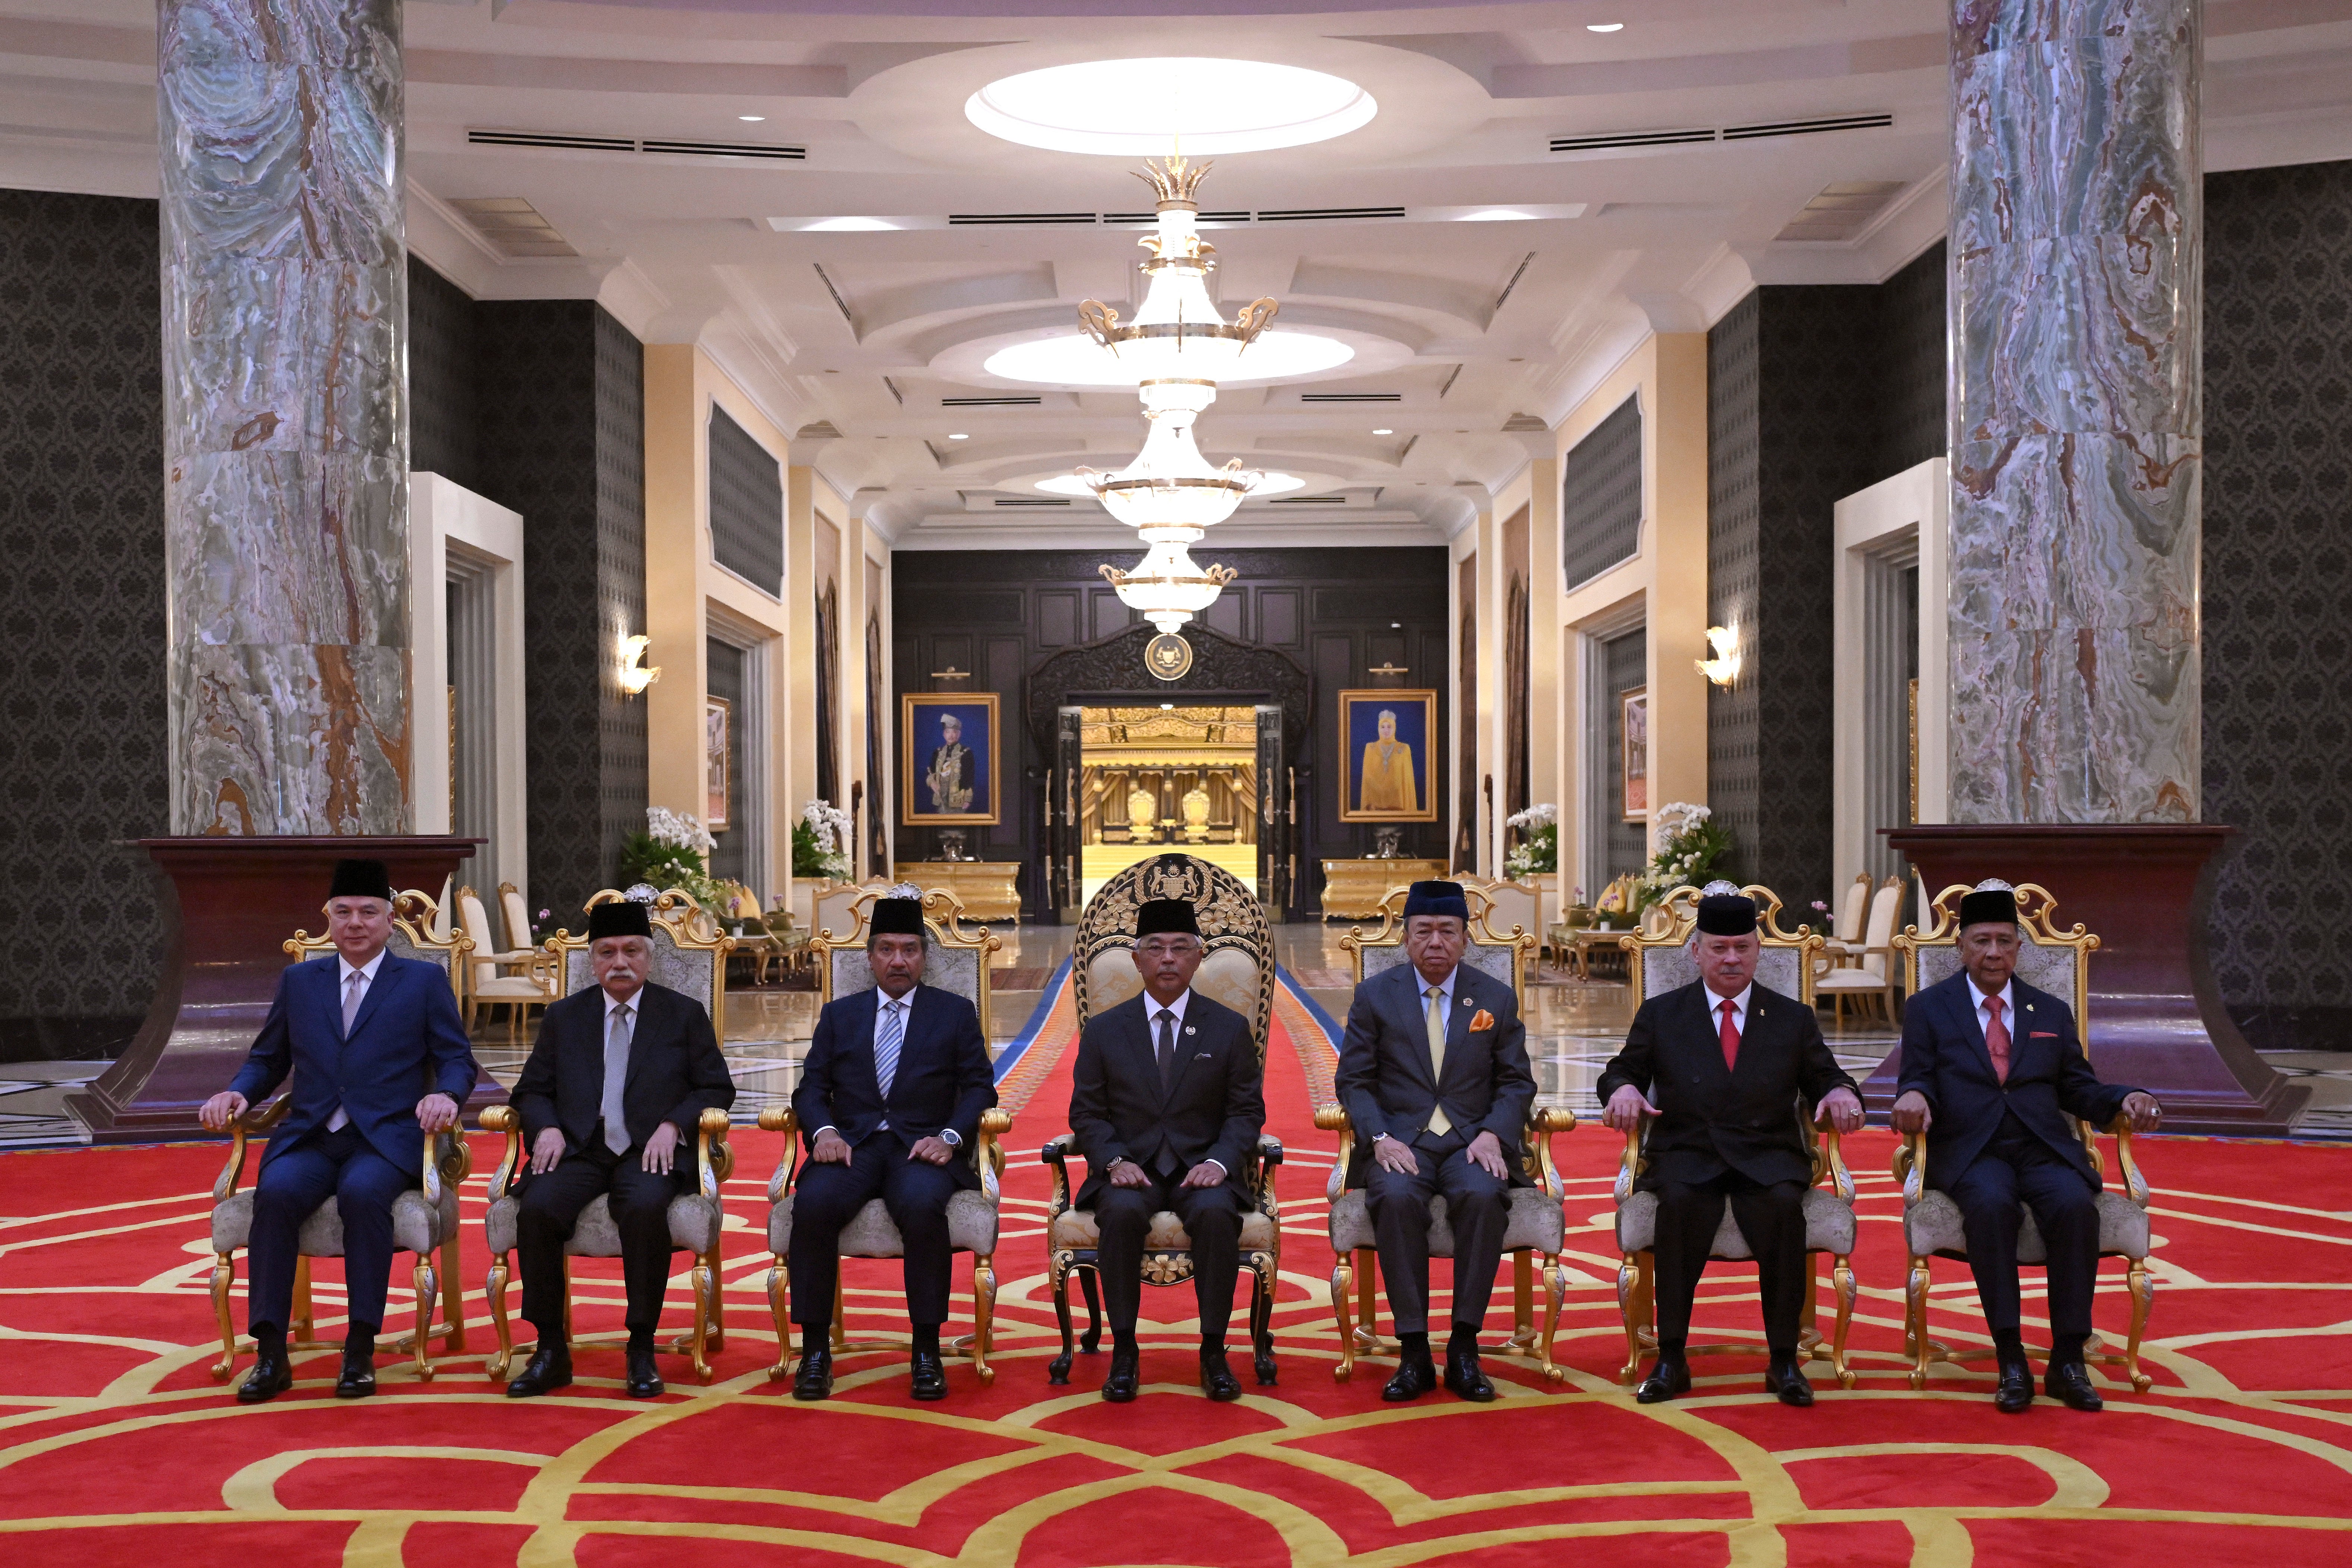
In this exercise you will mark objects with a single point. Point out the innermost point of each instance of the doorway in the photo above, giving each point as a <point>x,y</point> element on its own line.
<point>1164,777</point>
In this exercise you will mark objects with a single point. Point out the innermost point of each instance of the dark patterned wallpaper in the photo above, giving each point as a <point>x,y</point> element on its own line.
<point>747,506</point>
<point>84,764</point>
<point>726,682</point>
<point>1813,393</point>
<point>560,392</point>
<point>443,407</point>
<point>1626,664</point>
<point>1601,495</point>
<point>2277,580</point>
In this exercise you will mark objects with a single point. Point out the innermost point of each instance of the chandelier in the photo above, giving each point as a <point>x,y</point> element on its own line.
<point>1177,347</point>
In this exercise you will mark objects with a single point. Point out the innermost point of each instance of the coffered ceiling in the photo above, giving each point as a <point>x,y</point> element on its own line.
<point>1484,278</point>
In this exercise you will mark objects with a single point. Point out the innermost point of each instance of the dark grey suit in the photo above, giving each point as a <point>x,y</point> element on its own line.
<point>1387,1083</point>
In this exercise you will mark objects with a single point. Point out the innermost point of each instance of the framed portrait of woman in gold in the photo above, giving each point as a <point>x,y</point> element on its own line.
<point>1390,774</point>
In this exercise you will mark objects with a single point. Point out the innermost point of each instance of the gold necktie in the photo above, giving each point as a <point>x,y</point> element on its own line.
<point>1437,1121</point>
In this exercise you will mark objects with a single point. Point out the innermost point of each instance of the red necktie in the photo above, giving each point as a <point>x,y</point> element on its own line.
<point>1730,1036</point>
<point>1997,1038</point>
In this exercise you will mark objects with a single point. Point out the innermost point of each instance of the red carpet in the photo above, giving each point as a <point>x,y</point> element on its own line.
<point>119,1449</point>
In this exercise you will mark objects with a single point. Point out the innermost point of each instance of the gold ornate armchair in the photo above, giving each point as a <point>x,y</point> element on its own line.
<point>424,1218</point>
<point>957,962</point>
<point>686,960</point>
<point>2058,962</point>
<point>1660,962</point>
<point>1237,971</point>
<point>1536,1223</point>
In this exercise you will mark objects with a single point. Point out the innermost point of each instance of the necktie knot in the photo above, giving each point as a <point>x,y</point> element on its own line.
<point>1992,1006</point>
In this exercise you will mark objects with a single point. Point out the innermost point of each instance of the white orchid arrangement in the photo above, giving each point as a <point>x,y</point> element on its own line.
<point>678,830</point>
<point>822,841</point>
<point>1689,843</point>
<point>1539,851</point>
<point>672,852</point>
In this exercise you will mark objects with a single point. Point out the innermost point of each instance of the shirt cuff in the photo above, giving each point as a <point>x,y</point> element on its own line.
<point>1219,1164</point>
<point>948,1136</point>
<point>821,1131</point>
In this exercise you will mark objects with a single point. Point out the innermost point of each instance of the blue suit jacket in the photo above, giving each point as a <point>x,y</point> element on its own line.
<point>2049,1078</point>
<point>407,1043</point>
<point>944,1079</point>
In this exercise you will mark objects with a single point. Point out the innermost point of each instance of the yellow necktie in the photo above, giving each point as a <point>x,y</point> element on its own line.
<point>1437,1121</point>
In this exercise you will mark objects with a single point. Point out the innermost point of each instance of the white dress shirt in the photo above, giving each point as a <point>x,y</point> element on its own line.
<point>2008,994</point>
<point>1738,1009</point>
<point>345,972</point>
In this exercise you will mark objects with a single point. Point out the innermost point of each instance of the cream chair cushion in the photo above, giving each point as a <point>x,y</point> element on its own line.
<point>1535,1222</point>
<point>1074,1231</point>
<point>871,1233</point>
<point>694,1225</point>
<point>1933,1226</point>
<point>1828,1227</point>
<point>416,1226</point>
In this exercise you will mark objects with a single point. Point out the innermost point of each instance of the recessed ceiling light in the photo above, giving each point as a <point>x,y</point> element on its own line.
<point>754,119</point>
<point>1604,27</point>
<point>1141,107</point>
<point>848,225</point>
<point>958,438</point>
<point>1384,432</point>
<point>1071,359</point>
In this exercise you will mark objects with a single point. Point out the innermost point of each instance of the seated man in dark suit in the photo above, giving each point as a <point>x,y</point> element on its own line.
<point>1992,1069</point>
<point>1726,1060</point>
<point>1166,1106</point>
<point>364,1034</point>
<point>618,1079</point>
<point>890,1098</point>
<point>1433,1073</point>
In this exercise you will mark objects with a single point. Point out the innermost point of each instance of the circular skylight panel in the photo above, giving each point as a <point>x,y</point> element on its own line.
<point>1146,108</point>
<point>1074,360</point>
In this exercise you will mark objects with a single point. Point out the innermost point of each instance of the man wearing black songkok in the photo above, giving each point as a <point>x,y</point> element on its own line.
<point>1721,1063</point>
<point>1166,1103</point>
<point>1992,1068</point>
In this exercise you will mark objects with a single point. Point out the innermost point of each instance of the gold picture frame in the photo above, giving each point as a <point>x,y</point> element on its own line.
<point>936,789</point>
<point>717,759</point>
<point>1388,775</point>
<point>1633,751</point>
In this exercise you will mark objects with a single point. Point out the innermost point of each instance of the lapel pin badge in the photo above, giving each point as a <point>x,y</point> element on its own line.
<point>1189,1030</point>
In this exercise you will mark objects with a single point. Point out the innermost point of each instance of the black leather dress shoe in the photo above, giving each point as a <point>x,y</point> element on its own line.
<point>1669,1377</point>
<point>645,1380</point>
<point>815,1379</point>
<point>356,1380</point>
<point>270,1377</point>
<point>1217,1379</point>
<point>1785,1376</point>
<point>1126,1375</point>
<point>929,1380</point>
<point>1415,1375</point>
<point>549,1368</point>
<point>2071,1382</point>
<point>1466,1377</point>
<point>2015,1391</point>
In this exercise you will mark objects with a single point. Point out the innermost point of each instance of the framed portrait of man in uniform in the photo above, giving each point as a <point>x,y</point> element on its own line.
<point>1389,773</point>
<point>948,760</point>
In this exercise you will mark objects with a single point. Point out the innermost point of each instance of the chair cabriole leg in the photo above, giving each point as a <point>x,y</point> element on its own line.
<point>1915,1321</point>
<point>427,1288</point>
<point>1343,1286</point>
<point>1058,1370</point>
<point>1556,1290</point>
<point>1628,1301</point>
<point>778,1282</point>
<point>702,1292</point>
<point>500,1266</point>
<point>984,1314</point>
<point>1841,1276</point>
<point>2143,1295</point>
<point>224,1275</point>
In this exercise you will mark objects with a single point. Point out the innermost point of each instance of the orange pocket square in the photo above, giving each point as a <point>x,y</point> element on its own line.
<point>1485,1020</point>
<point>2042,1034</point>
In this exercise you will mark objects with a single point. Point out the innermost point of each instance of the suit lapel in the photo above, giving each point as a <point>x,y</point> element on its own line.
<point>1709,1037</point>
<point>385,981</point>
<point>641,1038</point>
<point>1964,1003</point>
<point>1143,1043</point>
<point>1414,1022</point>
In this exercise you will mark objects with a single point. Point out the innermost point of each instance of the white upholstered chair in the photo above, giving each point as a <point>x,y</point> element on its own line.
<point>516,978</point>
<point>1845,935</point>
<point>1873,974</point>
<point>424,1218</point>
<point>958,961</point>
<point>2058,962</point>
<point>1662,964</point>
<point>686,960</point>
<point>1237,971</point>
<point>1535,1224</point>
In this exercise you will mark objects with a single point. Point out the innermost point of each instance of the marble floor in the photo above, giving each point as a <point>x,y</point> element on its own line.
<point>1573,1028</point>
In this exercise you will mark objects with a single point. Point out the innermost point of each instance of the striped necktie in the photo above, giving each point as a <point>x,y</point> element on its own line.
<point>889,1030</point>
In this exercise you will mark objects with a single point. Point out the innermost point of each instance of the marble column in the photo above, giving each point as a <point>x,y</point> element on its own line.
<point>2077,424</point>
<point>285,326</point>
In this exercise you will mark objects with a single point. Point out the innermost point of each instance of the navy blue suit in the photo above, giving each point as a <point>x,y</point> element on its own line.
<point>407,1042</point>
<point>1995,1145</point>
<point>942,1082</point>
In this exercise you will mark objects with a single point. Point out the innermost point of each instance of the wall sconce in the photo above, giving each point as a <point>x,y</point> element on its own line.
<point>1723,667</point>
<point>635,676</point>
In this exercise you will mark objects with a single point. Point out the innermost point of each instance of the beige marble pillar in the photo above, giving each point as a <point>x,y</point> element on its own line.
<point>285,325</point>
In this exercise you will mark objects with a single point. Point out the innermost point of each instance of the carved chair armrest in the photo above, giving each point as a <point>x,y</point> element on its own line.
<point>1630,1163</point>
<point>1057,1153</point>
<point>784,1119</point>
<point>505,1119</point>
<point>1832,1160</point>
<point>1911,1167</point>
<point>1334,1118</point>
<point>2134,1183</point>
<point>988,1153</point>
<point>1545,1123</point>
<point>255,1120</point>
<point>714,1160</point>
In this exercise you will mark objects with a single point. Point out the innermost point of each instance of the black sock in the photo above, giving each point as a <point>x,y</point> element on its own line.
<point>360,1340</point>
<point>816,1337</point>
<point>1124,1341</point>
<point>269,1340</point>
<point>1414,1344</point>
<point>1212,1344</point>
<point>1464,1337</point>
<point>927,1338</point>
<point>641,1341</point>
<point>2066,1350</point>
<point>2008,1343</point>
<point>1672,1350</point>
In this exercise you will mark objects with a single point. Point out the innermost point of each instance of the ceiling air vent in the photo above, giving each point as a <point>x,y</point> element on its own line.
<point>1030,500</point>
<point>1307,501</point>
<point>990,402</point>
<point>1145,220</point>
<point>1351,397</point>
<point>1609,141</point>
<point>1324,214</point>
<point>566,143</point>
<point>959,219</point>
